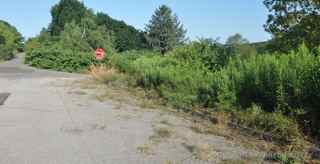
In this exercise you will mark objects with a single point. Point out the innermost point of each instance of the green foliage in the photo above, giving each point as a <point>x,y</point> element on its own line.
<point>292,23</point>
<point>175,81</point>
<point>209,52</point>
<point>240,46</point>
<point>279,83</point>
<point>280,126</point>
<point>285,159</point>
<point>64,12</point>
<point>164,31</point>
<point>236,39</point>
<point>126,36</point>
<point>72,47</point>
<point>124,61</point>
<point>10,40</point>
<point>69,52</point>
<point>177,76</point>
<point>57,58</point>
<point>285,86</point>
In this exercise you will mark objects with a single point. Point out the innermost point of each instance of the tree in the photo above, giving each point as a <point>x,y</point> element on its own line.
<point>10,40</point>
<point>65,12</point>
<point>239,45</point>
<point>2,40</point>
<point>164,30</point>
<point>126,37</point>
<point>293,22</point>
<point>236,39</point>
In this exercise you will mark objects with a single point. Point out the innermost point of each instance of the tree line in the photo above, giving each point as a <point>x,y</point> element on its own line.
<point>10,41</point>
<point>291,23</point>
<point>271,86</point>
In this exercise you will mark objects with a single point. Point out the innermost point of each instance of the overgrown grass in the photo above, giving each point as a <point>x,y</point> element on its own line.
<point>283,86</point>
<point>281,127</point>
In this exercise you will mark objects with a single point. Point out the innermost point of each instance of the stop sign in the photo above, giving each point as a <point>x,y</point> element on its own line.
<point>100,54</point>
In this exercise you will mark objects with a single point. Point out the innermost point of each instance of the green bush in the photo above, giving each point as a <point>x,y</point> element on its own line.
<point>280,126</point>
<point>284,85</point>
<point>285,159</point>
<point>271,80</point>
<point>72,51</point>
<point>124,61</point>
<point>210,53</point>
<point>6,53</point>
<point>57,58</point>
<point>10,41</point>
<point>176,81</point>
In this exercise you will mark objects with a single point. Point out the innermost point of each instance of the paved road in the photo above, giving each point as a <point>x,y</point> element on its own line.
<point>48,121</point>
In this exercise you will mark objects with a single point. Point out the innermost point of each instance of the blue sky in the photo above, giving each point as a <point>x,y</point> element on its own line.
<point>202,18</point>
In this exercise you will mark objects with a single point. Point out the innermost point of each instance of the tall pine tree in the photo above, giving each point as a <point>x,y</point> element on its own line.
<point>164,30</point>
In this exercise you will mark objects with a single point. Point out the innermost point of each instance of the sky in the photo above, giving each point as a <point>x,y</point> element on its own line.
<point>202,18</point>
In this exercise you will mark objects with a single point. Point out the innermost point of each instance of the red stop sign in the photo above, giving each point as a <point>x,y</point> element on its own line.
<point>100,54</point>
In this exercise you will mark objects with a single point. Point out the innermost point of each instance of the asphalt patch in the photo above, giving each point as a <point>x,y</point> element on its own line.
<point>3,97</point>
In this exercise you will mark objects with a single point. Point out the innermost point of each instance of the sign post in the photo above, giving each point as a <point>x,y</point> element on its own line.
<point>100,54</point>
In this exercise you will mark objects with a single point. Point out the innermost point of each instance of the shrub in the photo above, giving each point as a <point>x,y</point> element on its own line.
<point>6,52</point>
<point>284,159</point>
<point>10,41</point>
<point>57,58</point>
<point>210,53</point>
<point>71,51</point>
<point>281,127</point>
<point>124,61</point>
<point>176,82</point>
<point>284,85</point>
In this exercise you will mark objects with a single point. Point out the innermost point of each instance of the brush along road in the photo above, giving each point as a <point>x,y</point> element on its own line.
<point>50,119</point>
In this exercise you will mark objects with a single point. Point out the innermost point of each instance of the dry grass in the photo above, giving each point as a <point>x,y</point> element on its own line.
<point>242,161</point>
<point>235,136</point>
<point>163,132</point>
<point>160,134</point>
<point>170,162</point>
<point>202,152</point>
<point>165,122</point>
<point>145,149</point>
<point>77,92</point>
<point>103,73</point>
<point>118,88</point>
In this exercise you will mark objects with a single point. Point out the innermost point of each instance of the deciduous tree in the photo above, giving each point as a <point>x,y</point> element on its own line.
<point>292,22</point>
<point>65,12</point>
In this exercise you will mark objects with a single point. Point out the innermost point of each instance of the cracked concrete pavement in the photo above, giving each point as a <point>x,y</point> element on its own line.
<point>45,121</point>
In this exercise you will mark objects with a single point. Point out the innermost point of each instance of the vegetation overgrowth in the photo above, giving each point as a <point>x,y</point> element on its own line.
<point>270,90</point>
<point>10,41</point>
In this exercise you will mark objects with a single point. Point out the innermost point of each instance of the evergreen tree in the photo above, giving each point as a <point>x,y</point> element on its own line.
<point>164,30</point>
